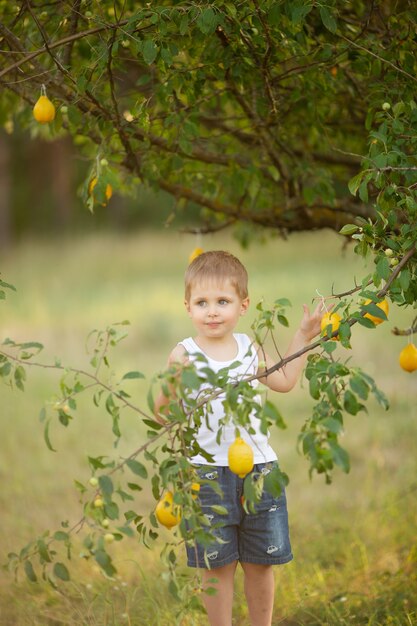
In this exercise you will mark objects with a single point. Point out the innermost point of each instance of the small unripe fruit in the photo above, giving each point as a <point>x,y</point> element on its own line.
<point>93,481</point>
<point>109,537</point>
<point>386,106</point>
<point>104,162</point>
<point>64,109</point>
<point>394,262</point>
<point>105,523</point>
<point>389,252</point>
<point>98,503</point>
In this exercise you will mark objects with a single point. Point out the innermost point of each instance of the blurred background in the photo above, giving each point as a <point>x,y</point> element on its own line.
<point>40,193</point>
<point>354,540</point>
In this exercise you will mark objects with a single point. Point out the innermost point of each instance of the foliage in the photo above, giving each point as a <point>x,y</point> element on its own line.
<point>256,112</point>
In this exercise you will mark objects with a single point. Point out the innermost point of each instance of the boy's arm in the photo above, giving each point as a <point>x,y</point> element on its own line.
<point>177,357</point>
<point>285,378</point>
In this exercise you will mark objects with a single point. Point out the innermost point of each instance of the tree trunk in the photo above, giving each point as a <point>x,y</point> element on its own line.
<point>60,155</point>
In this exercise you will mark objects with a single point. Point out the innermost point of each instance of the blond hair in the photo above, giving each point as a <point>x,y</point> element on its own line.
<point>218,265</point>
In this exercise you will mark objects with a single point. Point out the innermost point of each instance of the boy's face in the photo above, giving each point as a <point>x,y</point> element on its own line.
<point>215,308</point>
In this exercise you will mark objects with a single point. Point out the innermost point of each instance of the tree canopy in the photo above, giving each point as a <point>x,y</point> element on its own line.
<point>258,112</point>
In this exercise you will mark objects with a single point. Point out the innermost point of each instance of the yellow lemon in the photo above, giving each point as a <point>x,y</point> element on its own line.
<point>408,358</point>
<point>44,110</point>
<point>93,183</point>
<point>194,254</point>
<point>195,488</point>
<point>167,513</point>
<point>240,457</point>
<point>384,306</point>
<point>330,318</point>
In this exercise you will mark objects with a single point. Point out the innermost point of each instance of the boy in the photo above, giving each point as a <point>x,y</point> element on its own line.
<point>216,295</point>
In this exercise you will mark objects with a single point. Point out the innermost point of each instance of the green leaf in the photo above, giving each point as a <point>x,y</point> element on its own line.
<point>350,403</point>
<point>5,369</point>
<point>283,320</point>
<point>106,485</point>
<point>149,51</point>
<point>130,375</point>
<point>46,436</point>
<point>298,10</point>
<point>359,386</point>
<point>105,562</point>
<point>207,21</point>
<point>220,510</point>
<point>374,310</point>
<point>405,279</point>
<point>112,510</point>
<point>349,229</point>
<point>30,572</point>
<point>60,535</point>
<point>137,468</point>
<point>270,411</point>
<point>365,321</point>
<point>29,345</point>
<point>190,378</point>
<point>354,183</point>
<point>328,19</point>
<point>19,377</point>
<point>61,572</point>
<point>340,456</point>
<point>383,268</point>
<point>329,346</point>
<point>275,482</point>
<point>333,425</point>
<point>43,551</point>
<point>314,387</point>
<point>7,285</point>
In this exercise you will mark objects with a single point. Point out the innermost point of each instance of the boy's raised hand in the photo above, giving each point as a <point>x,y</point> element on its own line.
<point>310,323</point>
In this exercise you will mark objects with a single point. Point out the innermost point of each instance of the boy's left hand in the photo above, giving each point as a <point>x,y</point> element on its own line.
<point>310,324</point>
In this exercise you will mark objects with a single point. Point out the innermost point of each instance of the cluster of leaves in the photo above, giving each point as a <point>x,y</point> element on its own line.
<point>338,389</point>
<point>204,100</point>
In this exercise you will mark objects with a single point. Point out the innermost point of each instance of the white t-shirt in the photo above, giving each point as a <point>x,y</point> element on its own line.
<point>206,436</point>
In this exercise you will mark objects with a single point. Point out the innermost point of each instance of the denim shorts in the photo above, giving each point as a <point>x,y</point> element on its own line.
<point>260,537</point>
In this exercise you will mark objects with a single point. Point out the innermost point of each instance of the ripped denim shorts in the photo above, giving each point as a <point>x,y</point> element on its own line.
<point>259,537</point>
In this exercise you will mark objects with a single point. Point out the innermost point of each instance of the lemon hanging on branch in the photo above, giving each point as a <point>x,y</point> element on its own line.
<point>194,254</point>
<point>167,513</point>
<point>44,109</point>
<point>93,183</point>
<point>408,358</point>
<point>383,305</point>
<point>240,457</point>
<point>195,489</point>
<point>332,319</point>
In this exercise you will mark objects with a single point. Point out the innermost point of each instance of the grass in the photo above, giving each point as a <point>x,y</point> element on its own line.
<point>354,540</point>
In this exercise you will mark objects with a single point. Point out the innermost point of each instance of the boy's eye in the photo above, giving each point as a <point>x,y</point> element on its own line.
<point>223,301</point>
<point>201,303</point>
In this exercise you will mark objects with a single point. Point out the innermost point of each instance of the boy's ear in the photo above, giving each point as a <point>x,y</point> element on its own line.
<point>187,306</point>
<point>244,306</point>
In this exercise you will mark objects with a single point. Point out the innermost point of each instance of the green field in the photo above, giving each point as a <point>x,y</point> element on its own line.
<point>354,541</point>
